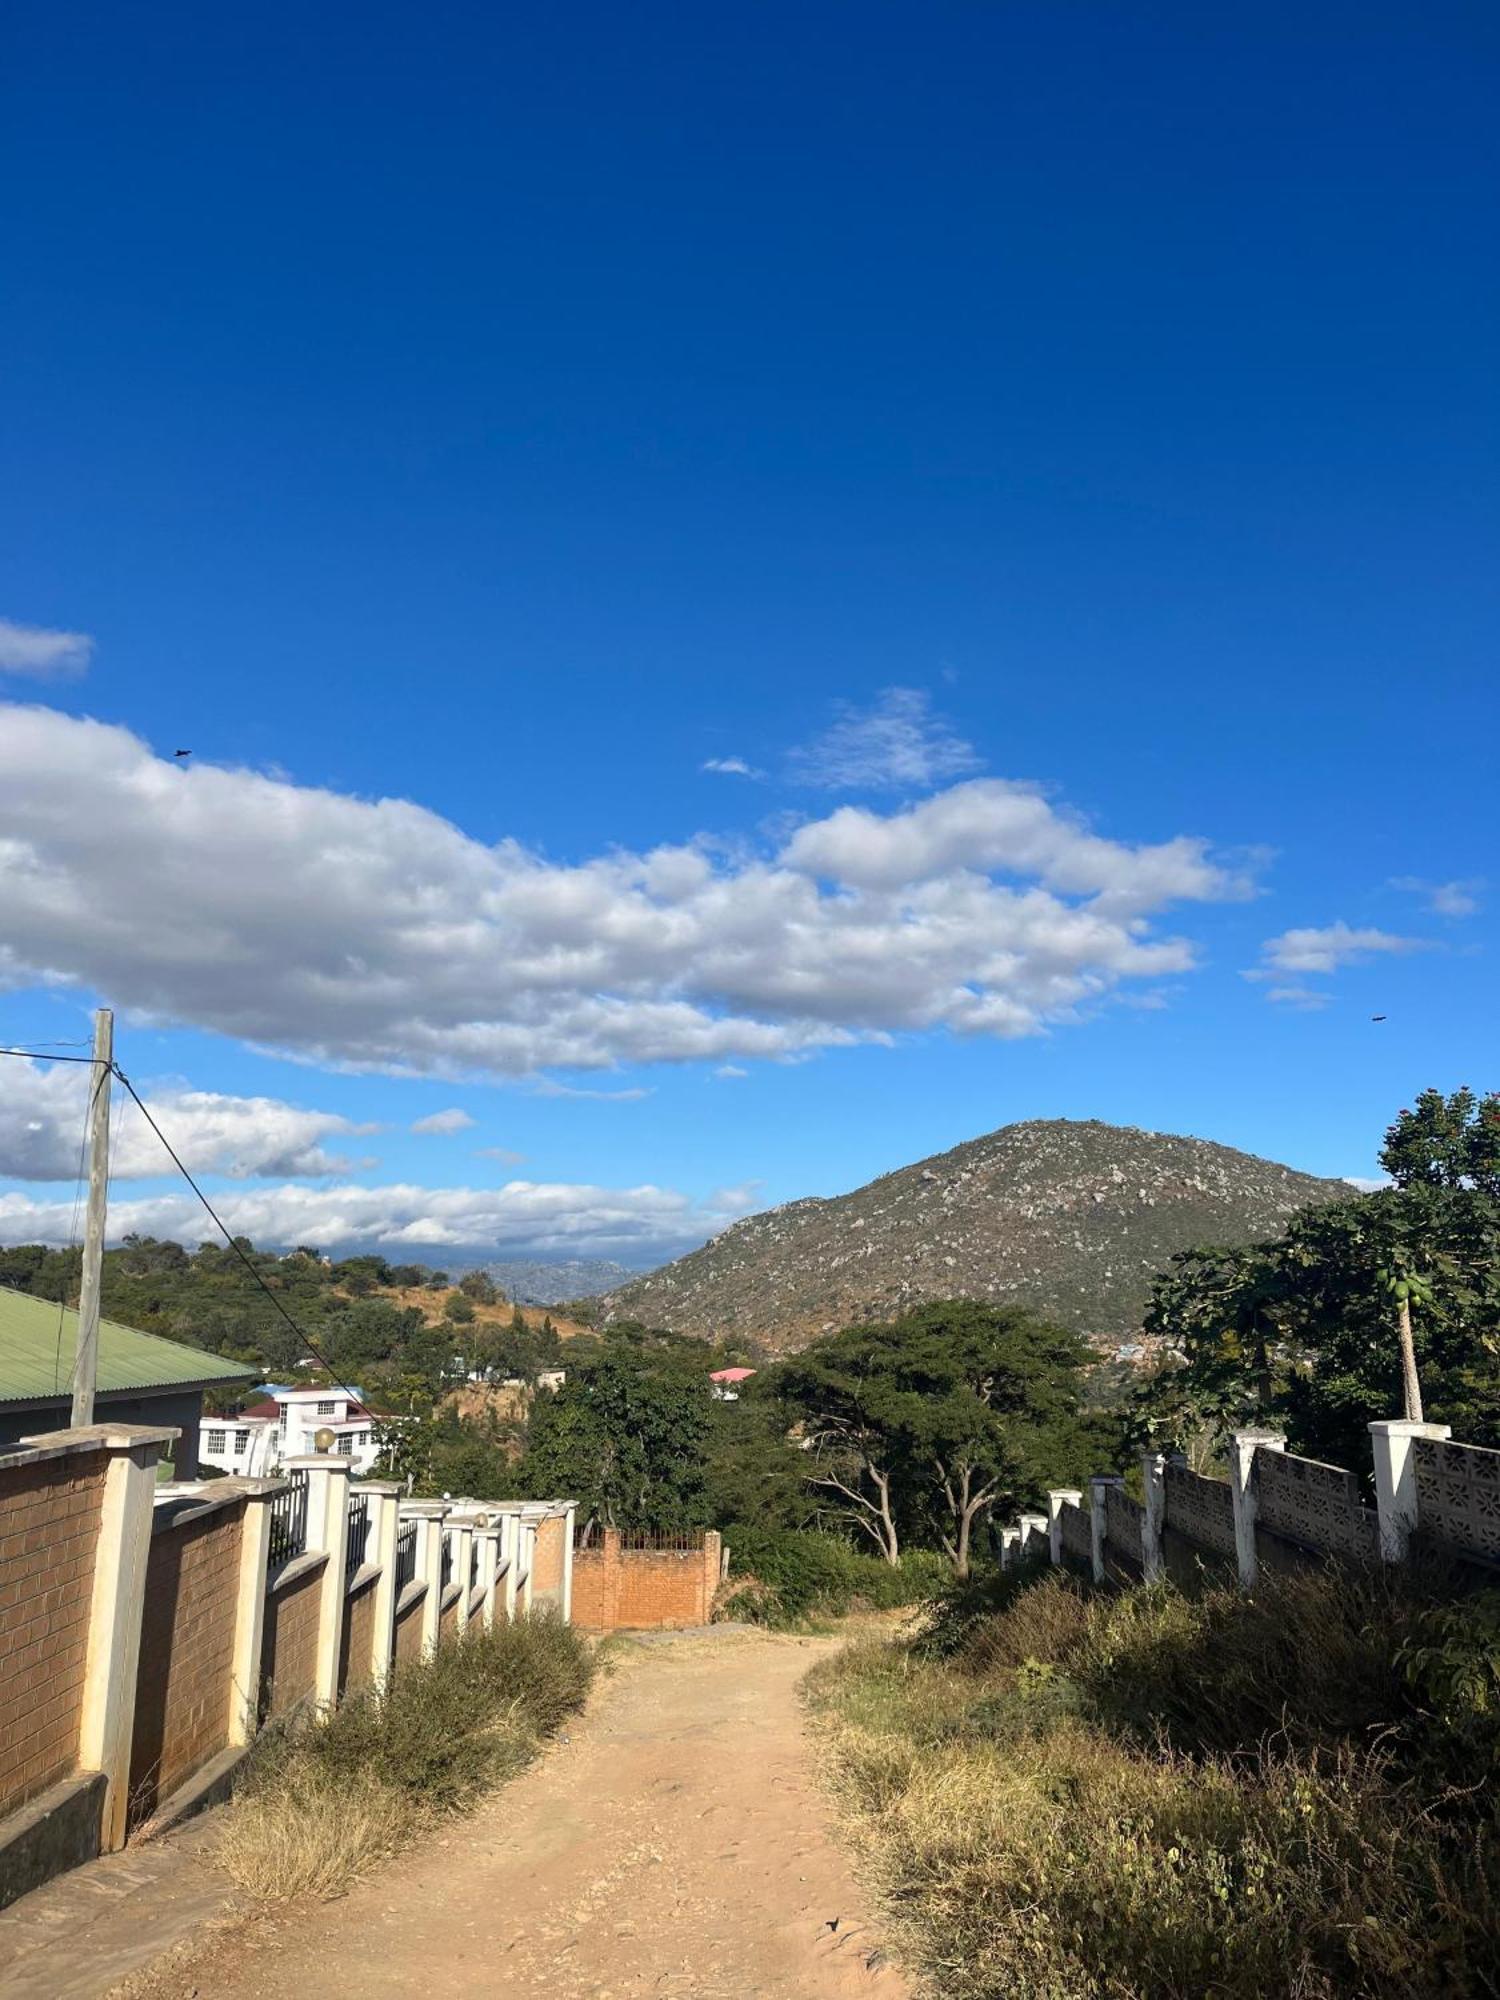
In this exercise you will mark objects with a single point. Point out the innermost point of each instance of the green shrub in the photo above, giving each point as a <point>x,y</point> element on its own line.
<point>784,1576</point>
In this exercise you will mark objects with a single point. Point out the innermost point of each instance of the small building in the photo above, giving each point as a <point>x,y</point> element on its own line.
<point>724,1383</point>
<point>284,1423</point>
<point>141,1378</point>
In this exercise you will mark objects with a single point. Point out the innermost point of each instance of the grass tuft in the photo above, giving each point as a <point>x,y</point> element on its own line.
<point>322,1803</point>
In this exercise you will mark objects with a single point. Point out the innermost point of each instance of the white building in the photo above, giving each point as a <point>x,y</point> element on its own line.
<point>254,1443</point>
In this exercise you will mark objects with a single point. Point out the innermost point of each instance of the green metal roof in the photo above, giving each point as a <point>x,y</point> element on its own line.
<point>38,1340</point>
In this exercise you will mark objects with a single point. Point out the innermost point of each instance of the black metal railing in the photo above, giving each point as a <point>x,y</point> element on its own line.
<point>406,1555</point>
<point>473,1564</point>
<point>359,1533</point>
<point>445,1571</point>
<point>289,1520</point>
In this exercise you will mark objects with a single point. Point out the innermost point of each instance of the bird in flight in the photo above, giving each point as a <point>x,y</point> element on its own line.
<point>182,753</point>
<point>1377,1017</point>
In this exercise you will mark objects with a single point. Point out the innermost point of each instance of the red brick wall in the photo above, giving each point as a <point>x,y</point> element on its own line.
<point>409,1632</point>
<point>49,1528</point>
<point>187,1652</point>
<point>289,1652</point>
<point>448,1623</point>
<point>644,1590</point>
<point>357,1640</point>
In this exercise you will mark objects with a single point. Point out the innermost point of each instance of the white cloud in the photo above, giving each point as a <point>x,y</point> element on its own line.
<point>42,655</point>
<point>441,1122</point>
<point>1445,899</point>
<point>897,744</point>
<point>376,935</point>
<point>531,1218</point>
<point>730,1072</point>
<point>1324,949</point>
<point>730,767</point>
<point>41,1127</point>
<point>547,1086</point>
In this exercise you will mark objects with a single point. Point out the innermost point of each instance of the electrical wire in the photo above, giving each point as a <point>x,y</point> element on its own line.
<point>301,1333</point>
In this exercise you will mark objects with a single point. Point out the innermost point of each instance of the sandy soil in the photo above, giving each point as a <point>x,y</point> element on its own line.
<point>675,1844</point>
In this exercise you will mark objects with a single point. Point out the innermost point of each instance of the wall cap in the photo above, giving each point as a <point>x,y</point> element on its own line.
<point>111,1437</point>
<point>1404,1427</point>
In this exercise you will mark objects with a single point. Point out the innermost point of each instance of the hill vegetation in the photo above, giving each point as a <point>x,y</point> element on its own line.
<point>1072,1220</point>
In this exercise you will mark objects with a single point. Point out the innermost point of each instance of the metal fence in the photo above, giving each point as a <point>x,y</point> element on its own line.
<point>359,1533</point>
<point>289,1520</point>
<point>406,1555</point>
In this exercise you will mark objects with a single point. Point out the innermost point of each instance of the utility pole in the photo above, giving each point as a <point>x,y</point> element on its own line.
<point>101,1075</point>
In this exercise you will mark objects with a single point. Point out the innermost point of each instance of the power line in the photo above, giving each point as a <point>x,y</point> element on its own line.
<point>44,1054</point>
<point>218,1223</point>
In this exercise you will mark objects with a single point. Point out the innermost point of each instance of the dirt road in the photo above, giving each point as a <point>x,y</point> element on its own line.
<point>675,1845</point>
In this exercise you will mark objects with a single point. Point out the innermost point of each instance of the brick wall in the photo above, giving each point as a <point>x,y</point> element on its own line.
<point>49,1524</point>
<point>357,1640</point>
<point>448,1623</point>
<point>644,1590</point>
<point>289,1651</point>
<point>187,1652</point>
<point>409,1631</point>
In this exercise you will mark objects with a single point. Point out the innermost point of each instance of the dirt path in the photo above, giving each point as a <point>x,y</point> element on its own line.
<point>675,1845</point>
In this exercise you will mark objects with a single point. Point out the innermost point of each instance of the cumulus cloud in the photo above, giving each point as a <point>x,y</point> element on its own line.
<point>1306,998</point>
<point>43,655</point>
<point>377,935</point>
<point>41,1125</point>
<point>730,1072</point>
<point>730,767</point>
<point>898,744</point>
<point>1326,948</point>
<point>443,1122</point>
<point>1445,899</point>
<point>531,1218</point>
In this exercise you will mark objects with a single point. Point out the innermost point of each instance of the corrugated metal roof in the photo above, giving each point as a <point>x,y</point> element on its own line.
<point>38,1341</point>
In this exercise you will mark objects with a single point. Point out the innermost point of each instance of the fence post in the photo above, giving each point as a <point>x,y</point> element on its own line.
<point>1242,1488</point>
<point>487,1532</point>
<point>1033,1529</point>
<point>532,1514</point>
<point>428,1515</point>
<point>385,1525</point>
<point>712,1544</point>
<point>1396,1481</point>
<point>1009,1538</point>
<point>1154,1521</point>
<point>462,1526</point>
<point>328,1530</point>
<point>1099,1486</point>
<point>106,1722</point>
<point>570,1528</point>
<point>1059,1497</point>
<point>250,1609</point>
<point>510,1556</point>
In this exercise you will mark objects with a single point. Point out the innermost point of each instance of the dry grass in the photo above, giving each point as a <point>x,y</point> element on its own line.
<point>321,1805</point>
<point>1029,1847</point>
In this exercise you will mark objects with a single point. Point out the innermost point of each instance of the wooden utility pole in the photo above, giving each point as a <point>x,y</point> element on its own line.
<point>86,1362</point>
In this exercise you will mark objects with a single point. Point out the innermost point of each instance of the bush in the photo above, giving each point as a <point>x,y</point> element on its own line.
<point>783,1577</point>
<point>321,1803</point>
<point>1087,1794</point>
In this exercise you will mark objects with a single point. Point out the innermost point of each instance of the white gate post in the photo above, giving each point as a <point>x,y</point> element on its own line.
<point>1396,1481</point>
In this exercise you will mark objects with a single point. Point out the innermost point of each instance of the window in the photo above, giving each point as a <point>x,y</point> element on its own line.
<point>241,1443</point>
<point>215,1443</point>
<point>325,1409</point>
<point>346,1443</point>
<point>282,1419</point>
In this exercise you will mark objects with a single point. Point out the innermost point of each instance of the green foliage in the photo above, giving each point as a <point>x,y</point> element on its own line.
<point>440,1454</point>
<point>754,1470</point>
<point>783,1577</point>
<point>1302,1331</point>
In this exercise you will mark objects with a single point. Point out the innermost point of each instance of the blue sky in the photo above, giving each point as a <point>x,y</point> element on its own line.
<point>1053,447</point>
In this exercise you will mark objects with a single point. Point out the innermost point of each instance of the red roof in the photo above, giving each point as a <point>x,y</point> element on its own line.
<point>731,1375</point>
<point>267,1411</point>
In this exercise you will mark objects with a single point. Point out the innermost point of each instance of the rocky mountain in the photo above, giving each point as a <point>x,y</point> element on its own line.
<point>1073,1218</point>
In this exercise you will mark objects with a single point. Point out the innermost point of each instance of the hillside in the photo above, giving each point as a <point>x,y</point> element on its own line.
<point>538,1282</point>
<point>1072,1218</point>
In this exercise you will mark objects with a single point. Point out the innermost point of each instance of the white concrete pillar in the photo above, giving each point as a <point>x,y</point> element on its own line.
<point>1154,1519</point>
<point>1033,1535</point>
<point>106,1723</point>
<point>1099,1486</point>
<point>1242,1449</point>
<point>250,1609</point>
<point>1059,1497</point>
<point>487,1530</point>
<point>1396,1481</point>
<point>461,1529</point>
<point>385,1526</point>
<point>1010,1539</point>
<point>510,1557</point>
<point>429,1516</point>
<point>327,1530</point>
<point>570,1528</point>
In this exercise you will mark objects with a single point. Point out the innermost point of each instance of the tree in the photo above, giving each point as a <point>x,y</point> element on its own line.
<point>922,1427</point>
<point>1321,1294</point>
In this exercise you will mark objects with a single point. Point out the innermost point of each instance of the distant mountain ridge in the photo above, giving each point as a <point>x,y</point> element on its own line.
<point>536,1282</point>
<point>1071,1217</point>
